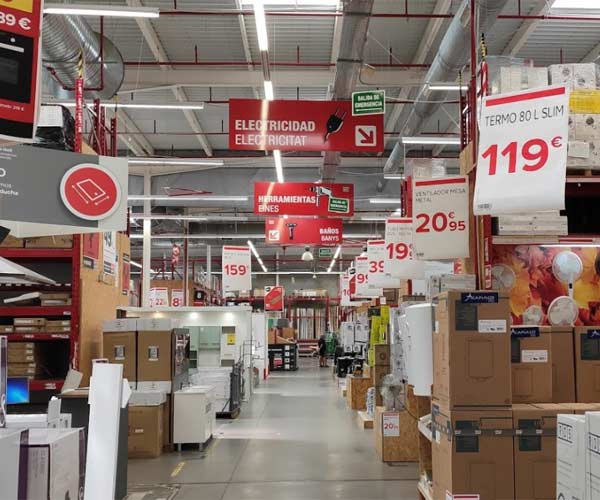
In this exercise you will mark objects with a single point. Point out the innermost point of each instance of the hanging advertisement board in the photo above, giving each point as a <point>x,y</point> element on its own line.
<point>307,231</point>
<point>274,298</point>
<point>257,125</point>
<point>363,290</point>
<point>236,269</point>
<point>522,163</point>
<point>376,254</point>
<point>399,260</point>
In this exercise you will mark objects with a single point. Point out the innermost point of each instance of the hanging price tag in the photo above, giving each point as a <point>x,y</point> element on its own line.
<point>159,297</point>
<point>236,269</point>
<point>391,424</point>
<point>177,297</point>
<point>441,218</point>
<point>522,164</point>
<point>363,290</point>
<point>376,253</point>
<point>399,259</point>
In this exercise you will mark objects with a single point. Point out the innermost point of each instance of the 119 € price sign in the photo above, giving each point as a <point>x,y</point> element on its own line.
<point>399,258</point>
<point>441,218</point>
<point>237,268</point>
<point>522,163</point>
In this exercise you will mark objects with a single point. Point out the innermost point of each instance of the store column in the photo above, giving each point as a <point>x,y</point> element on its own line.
<point>147,243</point>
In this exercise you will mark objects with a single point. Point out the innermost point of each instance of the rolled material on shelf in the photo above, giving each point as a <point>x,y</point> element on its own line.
<point>420,348</point>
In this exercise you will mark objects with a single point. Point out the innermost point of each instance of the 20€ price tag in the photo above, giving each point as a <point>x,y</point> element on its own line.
<point>522,163</point>
<point>376,253</point>
<point>399,259</point>
<point>441,218</point>
<point>237,274</point>
<point>391,424</point>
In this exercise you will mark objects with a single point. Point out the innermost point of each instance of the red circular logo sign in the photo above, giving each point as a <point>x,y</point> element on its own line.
<point>90,192</point>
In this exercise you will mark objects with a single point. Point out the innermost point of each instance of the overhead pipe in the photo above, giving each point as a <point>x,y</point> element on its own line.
<point>282,64</point>
<point>454,50</point>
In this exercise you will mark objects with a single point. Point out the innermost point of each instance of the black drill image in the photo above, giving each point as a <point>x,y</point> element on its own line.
<point>335,122</point>
<point>291,226</point>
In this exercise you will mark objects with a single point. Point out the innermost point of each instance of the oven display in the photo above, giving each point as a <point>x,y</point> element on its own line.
<point>9,71</point>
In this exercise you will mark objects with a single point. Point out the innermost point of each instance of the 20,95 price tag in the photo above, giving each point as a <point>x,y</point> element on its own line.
<point>441,218</point>
<point>237,269</point>
<point>522,164</point>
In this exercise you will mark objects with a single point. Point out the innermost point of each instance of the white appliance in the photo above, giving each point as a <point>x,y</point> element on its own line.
<point>11,466</point>
<point>420,347</point>
<point>194,415</point>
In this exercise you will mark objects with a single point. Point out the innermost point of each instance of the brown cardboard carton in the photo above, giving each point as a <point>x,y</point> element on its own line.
<point>535,449</point>
<point>382,355</point>
<point>145,431</point>
<point>24,369</point>
<point>580,408</point>
<point>379,373</point>
<point>272,335</point>
<point>41,322</point>
<point>587,364</point>
<point>396,436</point>
<point>63,241</point>
<point>154,358</point>
<point>7,329</point>
<point>563,365</point>
<point>288,333</point>
<point>531,364</point>
<point>479,460</point>
<point>471,349</point>
<point>12,242</point>
<point>356,392</point>
<point>26,352</point>
<point>120,347</point>
<point>29,329</point>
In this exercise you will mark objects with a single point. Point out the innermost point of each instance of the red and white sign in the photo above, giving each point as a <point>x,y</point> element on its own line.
<point>236,269</point>
<point>177,297</point>
<point>441,218</point>
<point>256,124</point>
<point>522,164</point>
<point>307,231</point>
<point>90,192</point>
<point>346,291</point>
<point>159,297</point>
<point>303,198</point>
<point>376,253</point>
<point>363,290</point>
<point>391,424</point>
<point>20,30</point>
<point>274,298</point>
<point>399,261</point>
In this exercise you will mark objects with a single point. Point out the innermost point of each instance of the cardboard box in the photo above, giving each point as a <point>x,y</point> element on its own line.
<point>466,159</point>
<point>587,364</point>
<point>378,373</point>
<point>396,436</point>
<point>535,449</point>
<point>356,392</point>
<point>63,241</point>
<point>478,461</point>
<point>471,350</point>
<point>12,466</point>
<point>12,242</point>
<point>121,348</point>
<point>120,325</point>
<point>570,457</point>
<point>41,322</point>
<point>154,359</point>
<point>24,370</point>
<point>382,355</point>
<point>531,364</point>
<point>592,455</point>
<point>29,329</point>
<point>7,329</point>
<point>580,408</point>
<point>272,335</point>
<point>56,463</point>
<point>146,431</point>
<point>563,365</point>
<point>26,352</point>
<point>288,333</point>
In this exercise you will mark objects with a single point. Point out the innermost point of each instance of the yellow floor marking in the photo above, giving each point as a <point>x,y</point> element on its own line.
<point>178,468</point>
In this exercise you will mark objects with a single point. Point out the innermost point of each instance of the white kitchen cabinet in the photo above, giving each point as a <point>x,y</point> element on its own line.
<point>194,415</point>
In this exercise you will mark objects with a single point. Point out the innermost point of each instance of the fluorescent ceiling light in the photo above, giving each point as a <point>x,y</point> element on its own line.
<point>393,176</point>
<point>192,218</point>
<point>198,197</point>
<point>200,236</point>
<point>337,252</point>
<point>135,264</point>
<point>192,162</point>
<point>450,141</point>
<point>278,165</point>
<point>356,236</point>
<point>571,245</point>
<point>100,10</point>
<point>297,3</point>
<point>261,25</point>
<point>373,218</point>
<point>450,87</point>
<point>385,201</point>
<point>255,252</point>
<point>269,95</point>
<point>131,105</point>
<point>576,4</point>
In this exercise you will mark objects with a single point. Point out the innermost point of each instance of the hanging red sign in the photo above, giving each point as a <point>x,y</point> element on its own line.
<point>303,198</point>
<point>274,298</point>
<point>20,28</point>
<point>298,231</point>
<point>256,125</point>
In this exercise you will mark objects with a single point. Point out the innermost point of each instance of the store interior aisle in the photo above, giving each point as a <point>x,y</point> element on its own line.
<point>296,440</point>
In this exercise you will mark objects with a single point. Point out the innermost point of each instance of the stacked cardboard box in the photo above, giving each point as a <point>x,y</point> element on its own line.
<point>575,76</point>
<point>531,349</point>
<point>587,364</point>
<point>356,392</point>
<point>58,326</point>
<point>24,352</point>
<point>55,299</point>
<point>120,346</point>
<point>146,423</point>
<point>29,325</point>
<point>540,223</point>
<point>381,368</point>
<point>563,365</point>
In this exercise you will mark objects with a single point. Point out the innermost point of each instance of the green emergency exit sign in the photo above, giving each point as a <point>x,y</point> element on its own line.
<point>325,253</point>
<point>369,102</point>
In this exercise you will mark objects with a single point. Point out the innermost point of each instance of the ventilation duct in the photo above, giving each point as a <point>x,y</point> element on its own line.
<point>64,38</point>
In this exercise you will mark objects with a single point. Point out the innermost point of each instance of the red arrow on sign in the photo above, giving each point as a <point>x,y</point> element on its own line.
<point>367,138</point>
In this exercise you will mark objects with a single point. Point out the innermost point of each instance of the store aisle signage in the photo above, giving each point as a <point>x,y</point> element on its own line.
<point>236,269</point>
<point>20,41</point>
<point>368,102</point>
<point>399,259</point>
<point>257,125</point>
<point>303,231</point>
<point>391,424</point>
<point>522,163</point>
<point>441,218</point>
<point>159,297</point>
<point>274,298</point>
<point>73,193</point>
<point>303,198</point>
<point>177,299</point>
<point>363,290</point>
<point>376,254</point>
<point>345,292</point>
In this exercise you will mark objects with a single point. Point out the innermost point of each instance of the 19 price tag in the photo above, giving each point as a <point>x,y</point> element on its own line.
<point>237,274</point>
<point>363,290</point>
<point>441,218</point>
<point>376,253</point>
<point>522,162</point>
<point>399,259</point>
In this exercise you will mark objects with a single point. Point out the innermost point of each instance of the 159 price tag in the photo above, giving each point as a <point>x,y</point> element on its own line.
<point>522,152</point>
<point>236,269</point>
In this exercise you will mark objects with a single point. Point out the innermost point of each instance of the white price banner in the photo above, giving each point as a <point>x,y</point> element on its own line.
<point>377,276</point>
<point>441,218</point>
<point>236,267</point>
<point>177,297</point>
<point>363,290</point>
<point>346,293</point>
<point>159,297</point>
<point>391,424</point>
<point>522,163</point>
<point>399,261</point>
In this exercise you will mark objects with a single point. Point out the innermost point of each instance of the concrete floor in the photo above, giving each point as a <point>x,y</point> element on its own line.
<point>296,440</point>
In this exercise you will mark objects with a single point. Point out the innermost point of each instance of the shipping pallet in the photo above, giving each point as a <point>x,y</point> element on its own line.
<point>365,420</point>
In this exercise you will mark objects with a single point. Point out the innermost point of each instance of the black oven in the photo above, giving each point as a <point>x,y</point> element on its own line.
<point>16,61</point>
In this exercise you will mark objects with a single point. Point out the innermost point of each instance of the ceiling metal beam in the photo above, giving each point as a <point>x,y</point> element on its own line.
<point>592,55</point>
<point>541,8</point>
<point>160,54</point>
<point>138,143</point>
<point>245,43</point>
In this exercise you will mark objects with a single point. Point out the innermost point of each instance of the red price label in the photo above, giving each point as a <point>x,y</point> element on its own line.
<point>399,251</point>
<point>376,266</point>
<point>362,279</point>
<point>236,269</point>
<point>439,222</point>
<point>530,156</point>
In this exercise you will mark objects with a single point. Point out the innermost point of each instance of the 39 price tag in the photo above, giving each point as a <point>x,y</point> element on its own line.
<point>441,218</point>
<point>236,264</point>
<point>376,254</point>
<point>522,160</point>
<point>363,290</point>
<point>399,258</point>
